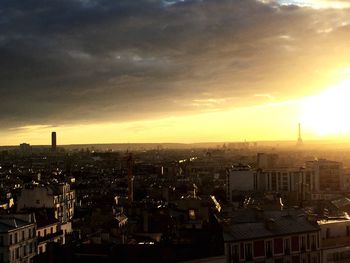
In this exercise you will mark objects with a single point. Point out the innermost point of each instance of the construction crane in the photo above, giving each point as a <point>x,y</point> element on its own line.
<point>130,164</point>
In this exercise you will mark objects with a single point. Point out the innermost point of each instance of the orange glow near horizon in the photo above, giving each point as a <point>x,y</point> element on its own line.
<point>265,122</point>
<point>323,116</point>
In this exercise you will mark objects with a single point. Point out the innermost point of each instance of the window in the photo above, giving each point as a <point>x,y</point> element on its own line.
<point>235,253</point>
<point>11,239</point>
<point>39,234</point>
<point>328,233</point>
<point>192,214</point>
<point>287,246</point>
<point>248,252</point>
<point>51,230</point>
<point>268,248</point>
<point>303,245</point>
<point>44,232</point>
<point>313,242</point>
<point>23,235</point>
<point>17,253</point>
<point>16,238</point>
<point>38,201</point>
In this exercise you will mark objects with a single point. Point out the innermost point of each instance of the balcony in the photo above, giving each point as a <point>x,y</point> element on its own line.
<point>50,237</point>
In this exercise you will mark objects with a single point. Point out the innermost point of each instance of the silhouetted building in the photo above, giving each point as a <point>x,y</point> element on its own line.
<point>25,148</point>
<point>53,141</point>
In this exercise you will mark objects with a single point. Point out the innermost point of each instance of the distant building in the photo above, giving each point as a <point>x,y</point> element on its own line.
<point>17,238</point>
<point>267,160</point>
<point>298,180</point>
<point>25,148</point>
<point>239,178</point>
<point>53,141</point>
<point>328,175</point>
<point>300,140</point>
<point>346,180</point>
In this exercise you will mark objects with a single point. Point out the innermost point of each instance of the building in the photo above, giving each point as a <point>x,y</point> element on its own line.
<point>299,181</point>
<point>17,238</point>
<point>57,196</point>
<point>239,178</point>
<point>335,239</point>
<point>48,230</point>
<point>25,148</point>
<point>267,160</point>
<point>53,141</point>
<point>328,175</point>
<point>272,238</point>
<point>346,180</point>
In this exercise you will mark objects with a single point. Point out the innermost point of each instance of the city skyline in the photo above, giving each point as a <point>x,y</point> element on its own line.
<point>173,71</point>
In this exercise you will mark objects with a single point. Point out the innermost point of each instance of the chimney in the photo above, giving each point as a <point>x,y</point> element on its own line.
<point>270,224</point>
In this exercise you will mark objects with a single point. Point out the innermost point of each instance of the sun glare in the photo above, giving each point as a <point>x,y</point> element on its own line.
<point>326,113</point>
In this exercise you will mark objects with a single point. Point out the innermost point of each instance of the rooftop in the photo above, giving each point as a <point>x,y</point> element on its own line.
<point>8,223</point>
<point>263,227</point>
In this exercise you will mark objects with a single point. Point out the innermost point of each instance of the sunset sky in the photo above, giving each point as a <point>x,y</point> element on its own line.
<point>117,71</point>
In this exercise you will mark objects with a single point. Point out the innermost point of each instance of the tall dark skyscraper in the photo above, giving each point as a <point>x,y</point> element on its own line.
<point>53,141</point>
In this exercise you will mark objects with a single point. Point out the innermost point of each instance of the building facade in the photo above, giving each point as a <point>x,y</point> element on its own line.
<point>57,196</point>
<point>17,238</point>
<point>301,181</point>
<point>335,240</point>
<point>328,175</point>
<point>286,239</point>
<point>239,178</point>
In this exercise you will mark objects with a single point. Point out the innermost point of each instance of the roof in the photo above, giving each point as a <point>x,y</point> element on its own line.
<point>341,202</point>
<point>284,225</point>
<point>45,217</point>
<point>11,223</point>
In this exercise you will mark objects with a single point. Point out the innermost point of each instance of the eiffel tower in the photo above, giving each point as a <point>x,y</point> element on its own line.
<point>300,140</point>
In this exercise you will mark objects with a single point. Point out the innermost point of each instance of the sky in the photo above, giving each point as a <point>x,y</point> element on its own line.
<point>121,71</point>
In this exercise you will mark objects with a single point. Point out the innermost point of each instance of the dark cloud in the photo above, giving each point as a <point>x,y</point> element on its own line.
<point>82,61</point>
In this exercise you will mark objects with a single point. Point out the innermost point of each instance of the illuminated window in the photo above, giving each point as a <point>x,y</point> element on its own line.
<point>191,214</point>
